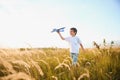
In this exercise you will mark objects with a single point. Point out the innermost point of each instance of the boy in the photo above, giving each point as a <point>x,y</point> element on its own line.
<point>74,42</point>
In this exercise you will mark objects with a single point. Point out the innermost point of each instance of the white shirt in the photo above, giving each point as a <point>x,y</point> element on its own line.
<point>74,44</point>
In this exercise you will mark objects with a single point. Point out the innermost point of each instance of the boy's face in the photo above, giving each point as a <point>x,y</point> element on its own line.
<point>72,33</point>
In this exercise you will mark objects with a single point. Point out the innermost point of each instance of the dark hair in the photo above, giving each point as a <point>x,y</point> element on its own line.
<point>74,29</point>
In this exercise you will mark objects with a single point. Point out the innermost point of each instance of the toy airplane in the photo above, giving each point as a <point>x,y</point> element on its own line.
<point>58,30</point>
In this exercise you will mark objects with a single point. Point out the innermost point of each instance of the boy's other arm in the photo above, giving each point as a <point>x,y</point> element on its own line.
<point>61,36</point>
<point>82,47</point>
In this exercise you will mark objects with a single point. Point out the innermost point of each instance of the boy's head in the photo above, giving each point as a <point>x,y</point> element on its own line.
<point>73,31</point>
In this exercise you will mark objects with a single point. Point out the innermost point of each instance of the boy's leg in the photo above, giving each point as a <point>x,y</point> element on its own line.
<point>71,55</point>
<point>74,58</point>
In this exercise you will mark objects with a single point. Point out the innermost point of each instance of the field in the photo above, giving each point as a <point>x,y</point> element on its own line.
<point>55,64</point>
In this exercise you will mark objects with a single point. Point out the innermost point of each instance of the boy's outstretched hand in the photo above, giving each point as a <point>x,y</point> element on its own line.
<point>58,31</point>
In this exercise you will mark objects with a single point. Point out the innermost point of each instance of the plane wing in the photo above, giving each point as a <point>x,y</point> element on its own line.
<point>60,29</point>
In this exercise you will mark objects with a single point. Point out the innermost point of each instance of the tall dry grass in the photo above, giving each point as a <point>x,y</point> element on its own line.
<point>55,64</point>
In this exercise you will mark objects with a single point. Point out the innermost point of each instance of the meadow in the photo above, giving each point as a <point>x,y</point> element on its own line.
<point>55,64</point>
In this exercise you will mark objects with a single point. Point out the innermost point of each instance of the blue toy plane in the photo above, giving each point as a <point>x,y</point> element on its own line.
<point>60,29</point>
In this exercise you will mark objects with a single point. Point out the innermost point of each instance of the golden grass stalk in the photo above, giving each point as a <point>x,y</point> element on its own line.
<point>3,52</point>
<point>57,59</point>
<point>66,61</point>
<point>7,66</point>
<point>21,62</point>
<point>17,76</point>
<point>54,78</point>
<point>44,62</point>
<point>74,78</point>
<point>85,75</point>
<point>62,65</point>
<point>42,52</point>
<point>35,64</point>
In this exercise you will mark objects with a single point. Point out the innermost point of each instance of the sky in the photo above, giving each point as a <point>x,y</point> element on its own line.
<point>28,23</point>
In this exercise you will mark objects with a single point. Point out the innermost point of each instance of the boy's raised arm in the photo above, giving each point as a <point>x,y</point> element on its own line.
<point>61,36</point>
